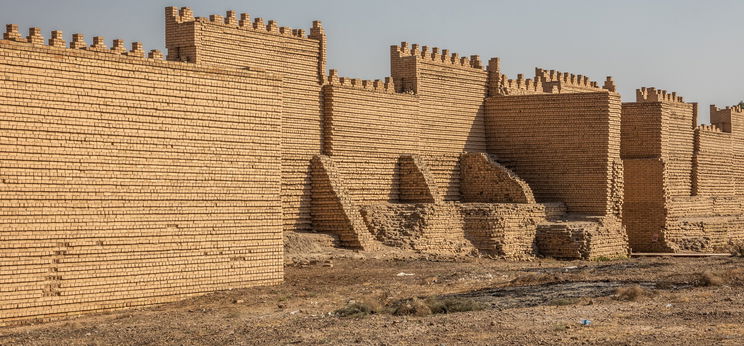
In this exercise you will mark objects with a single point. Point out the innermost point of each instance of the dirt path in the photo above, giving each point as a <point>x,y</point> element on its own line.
<point>672,301</point>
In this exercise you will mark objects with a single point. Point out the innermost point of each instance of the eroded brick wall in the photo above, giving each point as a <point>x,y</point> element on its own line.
<point>298,57</point>
<point>127,181</point>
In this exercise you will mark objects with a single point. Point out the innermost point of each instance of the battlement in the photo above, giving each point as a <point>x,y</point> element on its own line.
<point>387,86</point>
<point>436,55</point>
<point>656,95</point>
<point>78,42</point>
<point>557,81</point>
<point>726,117</point>
<point>243,21</point>
<point>708,128</point>
<point>520,85</point>
<point>728,109</point>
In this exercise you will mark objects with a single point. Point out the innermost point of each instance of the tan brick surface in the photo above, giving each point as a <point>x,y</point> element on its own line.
<point>298,57</point>
<point>127,181</point>
<point>682,180</point>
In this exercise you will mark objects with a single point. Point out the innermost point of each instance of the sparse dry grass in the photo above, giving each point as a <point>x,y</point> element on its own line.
<point>359,309</point>
<point>536,279</point>
<point>412,307</point>
<point>564,301</point>
<point>439,305</point>
<point>708,278</point>
<point>736,248</point>
<point>630,293</point>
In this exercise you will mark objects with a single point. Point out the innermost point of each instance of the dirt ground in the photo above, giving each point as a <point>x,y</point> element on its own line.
<point>635,301</point>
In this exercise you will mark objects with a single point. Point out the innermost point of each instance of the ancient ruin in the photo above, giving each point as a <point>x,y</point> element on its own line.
<point>130,178</point>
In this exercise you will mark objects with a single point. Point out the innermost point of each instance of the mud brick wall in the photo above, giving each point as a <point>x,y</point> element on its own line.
<point>731,120</point>
<point>485,180</point>
<point>591,238</point>
<point>128,181</point>
<point>366,131</point>
<point>503,229</point>
<point>644,205</point>
<point>681,191</point>
<point>565,146</point>
<point>451,91</point>
<point>233,41</point>
<point>712,173</point>
<point>424,227</point>
<point>416,181</point>
<point>334,210</point>
<point>677,145</point>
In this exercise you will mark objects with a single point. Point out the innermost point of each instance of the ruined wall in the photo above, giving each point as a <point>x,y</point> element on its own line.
<point>451,91</point>
<point>128,181</point>
<point>334,210</point>
<point>486,181</point>
<point>416,181</point>
<point>233,42</point>
<point>565,146</point>
<point>592,238</point>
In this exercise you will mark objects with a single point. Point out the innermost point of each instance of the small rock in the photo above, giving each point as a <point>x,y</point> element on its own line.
<point>239,301</point>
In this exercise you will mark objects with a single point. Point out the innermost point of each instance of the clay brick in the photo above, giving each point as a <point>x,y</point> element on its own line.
<point>123,185</point>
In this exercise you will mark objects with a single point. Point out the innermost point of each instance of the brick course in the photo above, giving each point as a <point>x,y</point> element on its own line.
<point>129,181</point>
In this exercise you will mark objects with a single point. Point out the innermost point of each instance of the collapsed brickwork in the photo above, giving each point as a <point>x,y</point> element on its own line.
<point>130,181</point>
<point>683,190</point>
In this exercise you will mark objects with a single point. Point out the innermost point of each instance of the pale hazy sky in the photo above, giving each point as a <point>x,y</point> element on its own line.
<point>693,47</point>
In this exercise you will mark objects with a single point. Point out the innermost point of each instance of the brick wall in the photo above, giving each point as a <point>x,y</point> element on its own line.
<point>239,42</point>
<point>451,91</point>
<point>366,131</point>
<point>731,120</point>
<point>712,171</point>
<point>127,181</point>
<point>681,179</point>
<point>565,146</point>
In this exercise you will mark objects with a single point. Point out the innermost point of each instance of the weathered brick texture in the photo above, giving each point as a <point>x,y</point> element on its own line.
<point>682,180</point>
<point>450,119</point>
<point>565,146</point>
<point>299,58</point>
<point>127,181</point>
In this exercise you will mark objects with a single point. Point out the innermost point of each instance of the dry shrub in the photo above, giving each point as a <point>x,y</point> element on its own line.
<point>412,307</point>
<point>564,301</point>
<point>708,278</point>
<point>736,248</point>
<point>439,305</point>
<point>735,277</point>
<point>630,293</point>
<point>436,305</point>
<point>535,279</point>
<point>359,309</point>
<point>731,277</point>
